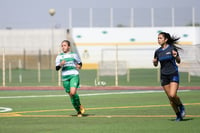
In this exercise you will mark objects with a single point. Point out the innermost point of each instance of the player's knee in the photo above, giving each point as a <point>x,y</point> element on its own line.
<point>72,91</point>
<point>72,94</point>
<point>172,96</point>
<point>171,102</point>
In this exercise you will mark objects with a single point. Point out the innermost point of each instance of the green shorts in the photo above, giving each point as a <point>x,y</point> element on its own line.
<point>73,81</point>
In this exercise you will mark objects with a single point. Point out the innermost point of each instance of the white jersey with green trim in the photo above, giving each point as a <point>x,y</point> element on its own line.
<point>71,60</point>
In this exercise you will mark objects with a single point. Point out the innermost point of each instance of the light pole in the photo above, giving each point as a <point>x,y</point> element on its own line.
<point>52,13</point>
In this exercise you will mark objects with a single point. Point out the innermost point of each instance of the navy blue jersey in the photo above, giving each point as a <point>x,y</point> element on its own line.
<point>166,59</point>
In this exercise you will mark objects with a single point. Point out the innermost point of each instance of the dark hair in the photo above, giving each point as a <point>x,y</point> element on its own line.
<point>68,42</point>
<point>171,40</point>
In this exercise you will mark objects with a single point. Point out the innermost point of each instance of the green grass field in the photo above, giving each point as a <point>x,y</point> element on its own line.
<point>138,77</point>
<point>106,112</point>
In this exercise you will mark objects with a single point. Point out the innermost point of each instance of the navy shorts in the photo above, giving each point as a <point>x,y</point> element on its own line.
<point>166,79</point>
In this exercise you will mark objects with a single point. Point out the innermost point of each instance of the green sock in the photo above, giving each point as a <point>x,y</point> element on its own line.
<point>76,102</point>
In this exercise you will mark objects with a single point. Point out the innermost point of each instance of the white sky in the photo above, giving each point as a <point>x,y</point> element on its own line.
<point>34,13</point>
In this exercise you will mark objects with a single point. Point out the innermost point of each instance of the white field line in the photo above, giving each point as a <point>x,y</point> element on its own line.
<point>5,109</point>
<point>91,94</point>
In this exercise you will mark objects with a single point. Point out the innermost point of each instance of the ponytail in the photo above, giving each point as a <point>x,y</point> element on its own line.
<point>171,40</point>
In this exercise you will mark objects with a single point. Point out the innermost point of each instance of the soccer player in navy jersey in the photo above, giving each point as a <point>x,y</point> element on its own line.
<point>168,56</point>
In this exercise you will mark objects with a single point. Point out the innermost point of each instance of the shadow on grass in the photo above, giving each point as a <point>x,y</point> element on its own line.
<point>84,115</point>
<point>186,119</point>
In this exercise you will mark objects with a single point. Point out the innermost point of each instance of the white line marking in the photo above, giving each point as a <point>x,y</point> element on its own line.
<point>92,94</point>
<point>5,109</point>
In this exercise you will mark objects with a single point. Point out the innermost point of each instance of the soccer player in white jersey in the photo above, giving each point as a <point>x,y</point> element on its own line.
<point>70,63</point>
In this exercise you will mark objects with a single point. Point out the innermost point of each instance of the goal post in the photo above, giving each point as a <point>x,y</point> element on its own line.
<point>3,68</point>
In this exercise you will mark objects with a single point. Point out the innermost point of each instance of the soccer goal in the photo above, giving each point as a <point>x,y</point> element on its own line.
<point>113,68</point>
<point>190,56</point>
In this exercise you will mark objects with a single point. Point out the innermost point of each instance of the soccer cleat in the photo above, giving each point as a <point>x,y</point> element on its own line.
<point>182,111</point>
<point>179,118</point>
<point>81,112</point>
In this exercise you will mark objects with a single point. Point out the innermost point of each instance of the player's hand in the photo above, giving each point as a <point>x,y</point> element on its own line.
<point>62,63</point>
<point>78,66</point>
<point>155,61</point>
<point>174,53</point>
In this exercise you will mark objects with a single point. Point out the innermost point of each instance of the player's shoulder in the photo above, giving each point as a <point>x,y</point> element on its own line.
<point>73,54</point>
<point>60,55</point>
<point>158,49</point>
<point>172,47</point>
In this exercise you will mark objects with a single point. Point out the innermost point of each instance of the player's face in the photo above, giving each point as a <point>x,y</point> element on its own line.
<point>161,40</point>
<point>65,47</point>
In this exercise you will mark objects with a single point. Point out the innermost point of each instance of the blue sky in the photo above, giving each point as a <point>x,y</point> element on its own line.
<point>34,13</point>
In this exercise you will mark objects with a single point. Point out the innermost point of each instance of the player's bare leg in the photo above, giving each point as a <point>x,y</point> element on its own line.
<point>171,91</point>
<point>76,101</point>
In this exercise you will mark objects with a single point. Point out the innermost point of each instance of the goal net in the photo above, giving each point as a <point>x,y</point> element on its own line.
<point>113,68</point>
<point>190,56</point>
<point>109,68</point>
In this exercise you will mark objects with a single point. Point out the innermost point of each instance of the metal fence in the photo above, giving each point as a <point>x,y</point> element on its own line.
<point>132,17</point>
<point>27,58</point>
<point>34,68</point>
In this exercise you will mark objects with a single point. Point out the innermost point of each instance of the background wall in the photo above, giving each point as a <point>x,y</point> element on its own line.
<point>136,46</point>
